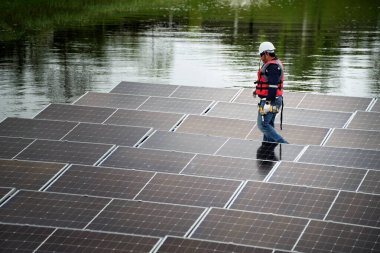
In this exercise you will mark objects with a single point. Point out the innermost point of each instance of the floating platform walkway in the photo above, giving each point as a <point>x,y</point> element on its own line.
<point>168,168</point>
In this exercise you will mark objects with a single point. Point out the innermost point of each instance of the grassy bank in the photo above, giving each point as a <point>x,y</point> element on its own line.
<point>22,17</point>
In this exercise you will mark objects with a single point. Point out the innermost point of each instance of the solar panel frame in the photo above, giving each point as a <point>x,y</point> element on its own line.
<point>345,157</point>
<point>11,146</point>
<point>321,236</point>
<point>66,240</point>
<point>173,244</point>
<point>206,93</point>
<point>108,134</point>
<point>376,106</point>
<point>146,218</point>
<point>156,120</point>
<point>365,121</point>
<point>250,228</point>
<point>314,175</point>
<point>184,142</point>
<point>101,181</point>
<point>334,103</point>
<point>176,105</point>
<point>228,167</point>
<point>214,126</point>
<point>35,128</point>
<point>111,100</point>
<point>356,208</point>
<point>147,159</point>
<point>65,152</point>
<point>5,192</point>
<point>259,150</point>
<point>76,113</point>
<point>51,209</point>
<point>147,89</point>
<point>189,190</point>
<point>27,174</point>
<point>350,138</point>
<point>22,238</point>
<point>289,200</point>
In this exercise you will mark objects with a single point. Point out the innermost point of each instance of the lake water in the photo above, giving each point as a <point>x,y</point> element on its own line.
<point>330,47</point>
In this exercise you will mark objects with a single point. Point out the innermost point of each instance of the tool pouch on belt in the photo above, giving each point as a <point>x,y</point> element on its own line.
<point>266,106</point>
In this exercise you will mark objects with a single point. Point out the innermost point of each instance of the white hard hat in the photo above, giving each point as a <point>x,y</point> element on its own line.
<point>266,47</point>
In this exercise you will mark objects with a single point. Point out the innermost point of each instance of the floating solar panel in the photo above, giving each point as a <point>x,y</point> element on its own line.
<point>75,113</point>
<point>315,175</point>
<point>101,181</point>
<point>327,237</point>
<point>180,245</point>
<point>228,167</point>
<point>189,190</point>
<point>365,121</point>
<point>234,111</point>
<point>206,93</point>
<point>371,183</point>
<point>293,99</point>
<point>184,142</point>
<point>357,158</point>
<point>111,100</point>
<point>285,199</point>
<point>249,228</point>
<point>22,238</point>
<point>354,139</point>
<point>303,135</point>
<point>64,151</point>
<point>259,150</point>
<point>234,128</point>
<point>176,105</point>
<point>51,209</point>
<point>109,134</point>
<point>33,128</point>
<point>148,89</point>
<point>315,118</point>
<point>9,146</point>
<point>65,240</point>
<point>26,174</point>
<point>356,208</point>
<point>156,120</point>
<point>334,103</point>
<point>245,97</point>
<point>148,159</point>
<point>146,218</point>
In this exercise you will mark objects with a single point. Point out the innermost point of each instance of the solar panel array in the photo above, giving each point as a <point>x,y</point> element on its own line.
<point>168,168</point>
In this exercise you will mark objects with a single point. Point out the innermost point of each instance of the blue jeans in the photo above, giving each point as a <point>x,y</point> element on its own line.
<point>266,125</point>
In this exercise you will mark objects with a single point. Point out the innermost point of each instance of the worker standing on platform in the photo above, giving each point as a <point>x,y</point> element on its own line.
<point>269,88</point>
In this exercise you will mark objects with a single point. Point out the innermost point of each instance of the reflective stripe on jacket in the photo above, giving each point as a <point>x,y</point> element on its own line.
<point>262,85</point>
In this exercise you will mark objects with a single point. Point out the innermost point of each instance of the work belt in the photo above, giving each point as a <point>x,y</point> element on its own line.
<point>272,108</point>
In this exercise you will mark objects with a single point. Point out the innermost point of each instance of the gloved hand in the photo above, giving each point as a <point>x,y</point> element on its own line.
<point>254,94</point>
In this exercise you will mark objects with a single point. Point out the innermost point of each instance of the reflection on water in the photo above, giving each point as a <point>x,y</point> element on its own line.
<point>328,47</point>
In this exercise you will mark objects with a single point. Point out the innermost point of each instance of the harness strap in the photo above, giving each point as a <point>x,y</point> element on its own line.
<point>282,109</point>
